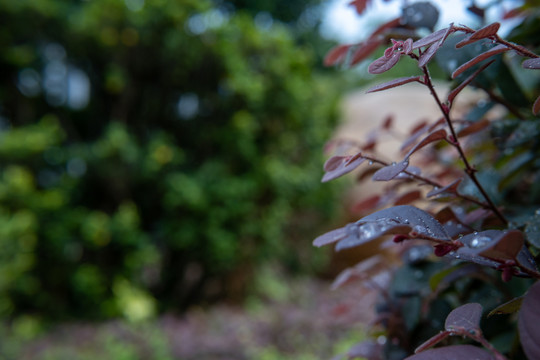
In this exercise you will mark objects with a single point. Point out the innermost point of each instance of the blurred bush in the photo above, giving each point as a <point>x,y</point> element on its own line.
<point>152,154</point>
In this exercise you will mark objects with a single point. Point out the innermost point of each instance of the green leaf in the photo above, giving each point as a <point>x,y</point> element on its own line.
<point>508,307</point>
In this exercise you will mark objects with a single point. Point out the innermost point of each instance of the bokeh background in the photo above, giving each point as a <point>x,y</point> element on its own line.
<point>155,156</point>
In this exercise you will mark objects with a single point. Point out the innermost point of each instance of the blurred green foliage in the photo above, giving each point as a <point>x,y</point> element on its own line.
<point>152,154</point>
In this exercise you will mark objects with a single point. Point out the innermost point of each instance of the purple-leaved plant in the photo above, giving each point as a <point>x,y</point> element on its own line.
<point>478,230</point>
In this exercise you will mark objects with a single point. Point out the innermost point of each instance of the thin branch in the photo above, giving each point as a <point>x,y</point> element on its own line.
<point>427,181</point>
<point>469,170</point>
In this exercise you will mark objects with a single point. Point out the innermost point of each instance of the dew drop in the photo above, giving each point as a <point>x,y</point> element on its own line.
<point>480,241</point>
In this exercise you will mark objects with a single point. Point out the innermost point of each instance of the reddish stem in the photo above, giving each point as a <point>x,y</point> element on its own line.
<point>469,170</point>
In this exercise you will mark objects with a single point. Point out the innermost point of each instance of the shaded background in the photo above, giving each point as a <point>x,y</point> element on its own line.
<point>155,152</point>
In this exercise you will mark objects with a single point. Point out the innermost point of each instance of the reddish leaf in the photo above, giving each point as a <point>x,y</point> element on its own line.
<point>407,46</point>
<point>394,83</point>
<point>512,13</point>
<point>446,214</point>
<point>450,188</point>
<point>388,25</point>
<point>391,171</point>
<point>384,63</point>
<point>430,39</point>
<point>388,122</point>
<point>465,318</point>
<point>529,318</point>
<point>408,197</point>
<point>536,106</point>
<point>360,5</point>
<point>367,173</point>
<point>465,41</point>
<point>366,204</point>
<point>531,63</point>
<point>421,125</point>
<point>337,166</point>
<point>473,128</point>
<point>491,52</point>
<point>493,244</point>
<point>454,352</point>
<point>434,136</point>
<point>364,50</point>
<point>476,11</point>
<point>364,269</point>
<point>486,31</point>
<point>336,55</point>
<point>428,54</point>
<point>457,90</point>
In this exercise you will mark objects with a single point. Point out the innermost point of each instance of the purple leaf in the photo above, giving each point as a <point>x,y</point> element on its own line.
<point>491,52</point>
<point>338,166</point>
<point>474,259</point>
<point>434,136</point>
<point>486,31</point>
<point>364,232</point>
<point>465,41</point>
<point>457,90</point>
<point>473,128</point>
<point>529,318</point>
<point>420,221</point>
<point>336,55</point>
<point>394,83</point>
<point>428,54</point>
<point>384,63</point>
<point>465,318</point>
<point>391,171</point>
<point>408,197</point>
<point>330,237</point>
<point>362,270</point>
<point>430,39</point>
<point>531,64</point>
<point>493,244</point>
<point>450,188</point>
<point>365,49</point>
<point>525,259</point>
<point>402,219</point>
<point>454,352</point>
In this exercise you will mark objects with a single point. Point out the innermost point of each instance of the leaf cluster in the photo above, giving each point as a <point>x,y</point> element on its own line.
<point>475,212</point>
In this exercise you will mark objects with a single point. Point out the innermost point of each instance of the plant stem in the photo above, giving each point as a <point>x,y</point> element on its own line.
<point>482,340</point>
<point>522,50</point>
<point>429,182</point>
<point>469,170</point>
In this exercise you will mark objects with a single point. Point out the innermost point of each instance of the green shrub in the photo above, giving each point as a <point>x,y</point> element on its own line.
<point>194,152</point>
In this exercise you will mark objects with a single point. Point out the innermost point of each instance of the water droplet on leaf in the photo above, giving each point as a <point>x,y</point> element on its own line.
<point>480,241</point>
